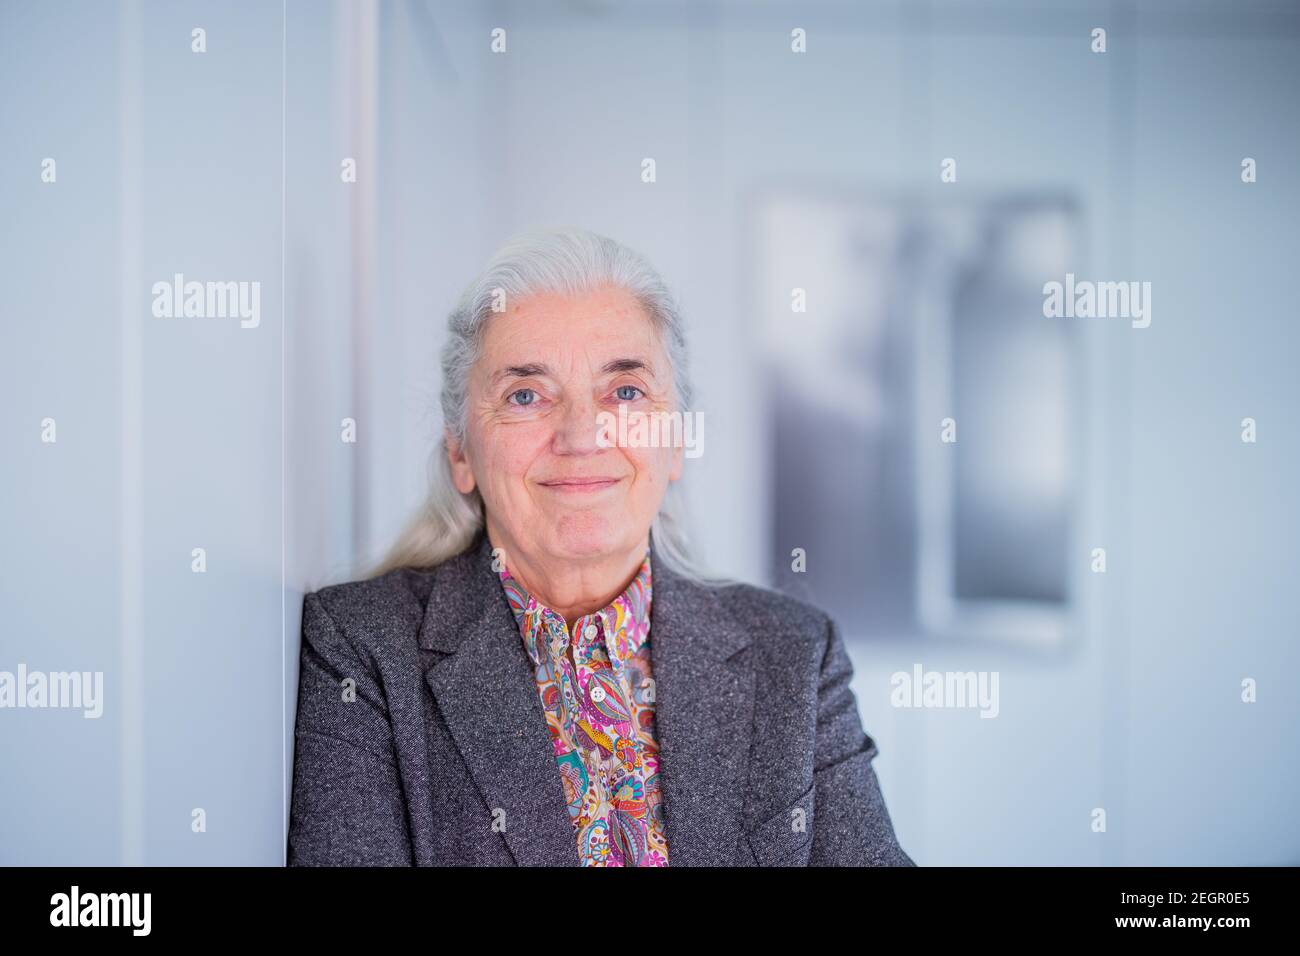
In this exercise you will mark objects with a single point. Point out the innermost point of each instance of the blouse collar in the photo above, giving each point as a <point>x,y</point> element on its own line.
<point>623,624</point>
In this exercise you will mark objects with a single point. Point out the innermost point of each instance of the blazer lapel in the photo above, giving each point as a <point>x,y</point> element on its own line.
<point>704,709</point>
<point>486,692</point>
<point>704,705</point>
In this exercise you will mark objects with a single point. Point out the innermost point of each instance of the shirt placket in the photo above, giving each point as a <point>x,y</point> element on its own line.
<point>615,772</point>
<point>583,656</point>
<point>605,768</point>
<point>556,637</point>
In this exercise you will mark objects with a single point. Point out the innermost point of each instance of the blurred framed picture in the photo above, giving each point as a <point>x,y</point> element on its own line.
<point>925,415</point>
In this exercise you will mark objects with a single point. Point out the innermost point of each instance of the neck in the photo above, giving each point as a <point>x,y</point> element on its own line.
<point>570,587</point>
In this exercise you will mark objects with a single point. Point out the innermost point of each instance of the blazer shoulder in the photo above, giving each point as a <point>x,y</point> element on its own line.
<point>374,609</point>
<point>771,616</point>
<point>753,601</point>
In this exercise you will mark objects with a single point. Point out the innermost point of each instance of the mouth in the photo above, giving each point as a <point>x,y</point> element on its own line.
<point>580,486</point>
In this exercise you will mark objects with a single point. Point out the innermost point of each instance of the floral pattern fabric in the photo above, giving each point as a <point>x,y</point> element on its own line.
<point>597,690</point>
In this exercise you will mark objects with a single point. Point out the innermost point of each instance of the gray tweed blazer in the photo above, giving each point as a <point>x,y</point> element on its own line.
<point>444,757</point>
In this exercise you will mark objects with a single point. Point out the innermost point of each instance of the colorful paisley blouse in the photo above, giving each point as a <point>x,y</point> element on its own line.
<point>597,691</point>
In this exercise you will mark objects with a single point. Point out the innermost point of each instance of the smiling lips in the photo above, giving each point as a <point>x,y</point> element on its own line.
<point>580,486</point>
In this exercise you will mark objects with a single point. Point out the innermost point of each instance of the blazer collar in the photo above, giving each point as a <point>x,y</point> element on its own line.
<point>485,689</point>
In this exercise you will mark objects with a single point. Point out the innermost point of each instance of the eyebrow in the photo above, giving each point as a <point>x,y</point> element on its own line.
<point>628,365</point>
<point>537,368</point>
<point>521,371</point>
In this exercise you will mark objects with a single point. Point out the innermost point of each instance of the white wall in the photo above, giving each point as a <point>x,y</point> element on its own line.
<point>1140,714</point>
<point>175,434</point>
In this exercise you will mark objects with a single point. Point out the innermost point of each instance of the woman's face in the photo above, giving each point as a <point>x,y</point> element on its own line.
<point>548,367</point>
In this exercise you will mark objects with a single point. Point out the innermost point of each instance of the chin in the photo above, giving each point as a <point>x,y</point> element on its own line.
<point>589,534</point>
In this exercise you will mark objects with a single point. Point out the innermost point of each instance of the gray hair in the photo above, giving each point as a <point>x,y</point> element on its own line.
<point>567,261</point>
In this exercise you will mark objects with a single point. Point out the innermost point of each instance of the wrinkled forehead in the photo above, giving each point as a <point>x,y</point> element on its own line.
<point>605,331</point>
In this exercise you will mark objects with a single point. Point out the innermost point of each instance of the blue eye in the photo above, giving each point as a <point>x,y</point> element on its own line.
<point>627,388</point>
<point>526,396</point>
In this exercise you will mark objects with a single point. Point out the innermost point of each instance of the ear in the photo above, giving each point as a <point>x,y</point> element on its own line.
<point>462,475</point>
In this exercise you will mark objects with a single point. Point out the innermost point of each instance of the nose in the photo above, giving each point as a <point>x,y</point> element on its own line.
<point>577,428</point>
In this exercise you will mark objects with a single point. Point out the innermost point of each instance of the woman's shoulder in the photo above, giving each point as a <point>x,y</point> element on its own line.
<point>374,604</point>
<point>394,602</point>
<point>788,635</point>
<point>770,615</point>
<point>746,598</point>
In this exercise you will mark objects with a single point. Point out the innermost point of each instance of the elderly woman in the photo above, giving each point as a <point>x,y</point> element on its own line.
<point>537,676</point>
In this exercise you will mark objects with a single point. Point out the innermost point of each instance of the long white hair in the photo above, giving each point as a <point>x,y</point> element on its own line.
<point>566,261</point>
